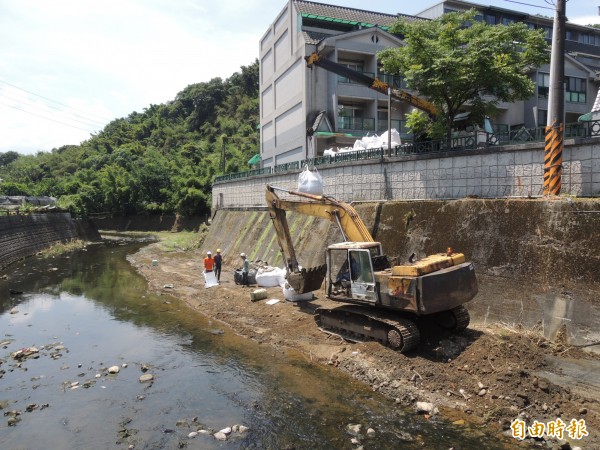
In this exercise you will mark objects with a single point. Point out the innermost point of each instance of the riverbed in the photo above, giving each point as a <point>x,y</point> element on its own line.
<point>79,317</point>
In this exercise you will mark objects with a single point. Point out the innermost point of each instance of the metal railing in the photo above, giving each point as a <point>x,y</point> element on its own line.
<point>398,125</point>
<point>356,123</point>
<point>346,80</point>
<point>394,81</point>
<point>465,141</point>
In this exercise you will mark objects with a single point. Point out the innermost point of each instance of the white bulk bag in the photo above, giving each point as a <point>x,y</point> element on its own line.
<point>210,280</point>
<point>310,182</point>
<point>395,138</point>
<point>290,294</point>
<point>270,277</point>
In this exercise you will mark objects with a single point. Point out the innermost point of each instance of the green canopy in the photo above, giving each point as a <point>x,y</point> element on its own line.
<point>585,117</point>
<point>254,160</point>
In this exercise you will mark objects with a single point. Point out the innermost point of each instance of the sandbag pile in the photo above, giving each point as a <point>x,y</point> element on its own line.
<point>367,143</point>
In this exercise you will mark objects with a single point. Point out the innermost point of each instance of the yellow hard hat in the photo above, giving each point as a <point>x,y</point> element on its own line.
<point>218,250</point>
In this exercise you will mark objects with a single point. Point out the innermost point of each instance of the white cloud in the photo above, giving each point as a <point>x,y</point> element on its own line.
<point>109,59</point>
<point>113,57</point>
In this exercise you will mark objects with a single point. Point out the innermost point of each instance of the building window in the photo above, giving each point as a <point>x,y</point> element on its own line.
<point>357,66</point>
<point>351,117</point>
<point>490,19</point>
<point>542,117</point>
<point>543,84</point>
<point>576,90</point>
<point>354,65</point>
<point>507,21</point>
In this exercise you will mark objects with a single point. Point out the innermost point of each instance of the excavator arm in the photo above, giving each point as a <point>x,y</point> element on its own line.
<point>316,59</point>
<point>344,215</point>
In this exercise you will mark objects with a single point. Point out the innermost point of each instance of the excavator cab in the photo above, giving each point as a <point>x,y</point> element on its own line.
<point>350,271</point>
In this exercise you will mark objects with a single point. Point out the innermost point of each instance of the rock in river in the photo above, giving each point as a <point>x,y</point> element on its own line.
<point>146,377</point>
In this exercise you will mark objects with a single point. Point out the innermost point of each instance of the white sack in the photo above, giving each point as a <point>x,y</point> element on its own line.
<point>210,280</point>
<point>291,295</point>
<point>310,182</point>
<point>359,144</point>
<point>270,278</point>
<point>395,138</point>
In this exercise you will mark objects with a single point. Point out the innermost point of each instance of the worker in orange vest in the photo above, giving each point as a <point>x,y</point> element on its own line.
<point>209,262</point>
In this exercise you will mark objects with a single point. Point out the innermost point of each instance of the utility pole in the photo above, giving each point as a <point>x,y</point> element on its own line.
<point>556,105</point>
<point>389,121</point>
<point>224,140</point>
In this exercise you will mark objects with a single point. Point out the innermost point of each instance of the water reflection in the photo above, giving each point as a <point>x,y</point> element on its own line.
<point>93,311</point>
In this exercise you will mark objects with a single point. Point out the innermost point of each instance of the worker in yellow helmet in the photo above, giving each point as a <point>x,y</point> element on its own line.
<point>218,263</point>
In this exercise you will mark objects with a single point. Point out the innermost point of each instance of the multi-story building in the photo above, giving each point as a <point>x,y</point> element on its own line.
<point>582,62</point>
<point>304,111</point>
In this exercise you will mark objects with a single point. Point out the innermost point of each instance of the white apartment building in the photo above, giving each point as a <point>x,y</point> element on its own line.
<point>304,111</point>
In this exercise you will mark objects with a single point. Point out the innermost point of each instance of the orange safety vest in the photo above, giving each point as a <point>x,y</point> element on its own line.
<point>209,263</point>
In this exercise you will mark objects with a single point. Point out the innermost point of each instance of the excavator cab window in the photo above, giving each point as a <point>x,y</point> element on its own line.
<point>362,286</point>
<point>338,266</point>
<point>360,266</point>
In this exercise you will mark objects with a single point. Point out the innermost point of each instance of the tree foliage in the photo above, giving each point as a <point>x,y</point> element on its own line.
<point>162,160</point>
<point>459,63</point>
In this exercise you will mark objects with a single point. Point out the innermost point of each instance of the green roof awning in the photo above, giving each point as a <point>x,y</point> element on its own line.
<point>254,160</point>
<point>585,117</point>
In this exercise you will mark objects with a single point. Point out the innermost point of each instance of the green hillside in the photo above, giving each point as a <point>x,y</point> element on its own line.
<point>162,160</point>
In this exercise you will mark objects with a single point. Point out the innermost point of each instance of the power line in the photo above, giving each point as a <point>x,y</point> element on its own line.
<point>529,4</point>
<point>44,108</point>
<point>103,119</point>
<point>46,118</point>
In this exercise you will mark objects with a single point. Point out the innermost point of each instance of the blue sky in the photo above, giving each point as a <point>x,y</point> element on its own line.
<point>68,67</point>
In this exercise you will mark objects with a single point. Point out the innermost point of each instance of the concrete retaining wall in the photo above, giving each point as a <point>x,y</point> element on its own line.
<point>149,223</point>
<point>512,171</point>
<point>25,235</point>
<point>537,261</point>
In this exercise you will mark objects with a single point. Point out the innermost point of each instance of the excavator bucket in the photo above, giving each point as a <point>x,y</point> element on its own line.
<point>307,280</point>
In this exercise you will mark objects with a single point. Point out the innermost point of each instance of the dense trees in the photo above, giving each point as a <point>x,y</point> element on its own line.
<point>459,63</point>
<point>162,160</point>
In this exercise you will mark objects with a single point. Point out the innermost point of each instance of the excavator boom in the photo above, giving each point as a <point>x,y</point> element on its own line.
<point>344,215</point>
<point>316,59</point>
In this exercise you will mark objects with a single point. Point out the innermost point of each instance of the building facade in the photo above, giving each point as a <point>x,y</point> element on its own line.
<point>305,110</point>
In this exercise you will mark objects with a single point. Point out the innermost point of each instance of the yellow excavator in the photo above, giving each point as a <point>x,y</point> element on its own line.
<point>383,300</point>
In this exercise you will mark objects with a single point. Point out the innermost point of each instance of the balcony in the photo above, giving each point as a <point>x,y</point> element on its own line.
<point>346,80</point>
<point>356,123</point>
<point>398,125</point>
<point>393,81</point>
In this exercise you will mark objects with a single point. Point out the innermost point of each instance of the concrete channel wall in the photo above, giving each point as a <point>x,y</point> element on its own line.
<point>511,171</point>
<point>25,235</point>
<point>537,260</point>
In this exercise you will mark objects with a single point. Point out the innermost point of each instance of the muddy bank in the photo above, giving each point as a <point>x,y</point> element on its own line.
<point>485,378</point>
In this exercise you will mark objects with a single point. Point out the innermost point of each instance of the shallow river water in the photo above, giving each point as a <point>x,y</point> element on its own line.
<point>90,311</point>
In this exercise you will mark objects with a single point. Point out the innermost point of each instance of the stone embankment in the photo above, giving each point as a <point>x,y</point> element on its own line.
<point>24,235</point>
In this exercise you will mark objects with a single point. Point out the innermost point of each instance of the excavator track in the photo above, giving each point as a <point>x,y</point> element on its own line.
<point>456,319</point>
<point>358,324</point>
<point>462,318</point>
